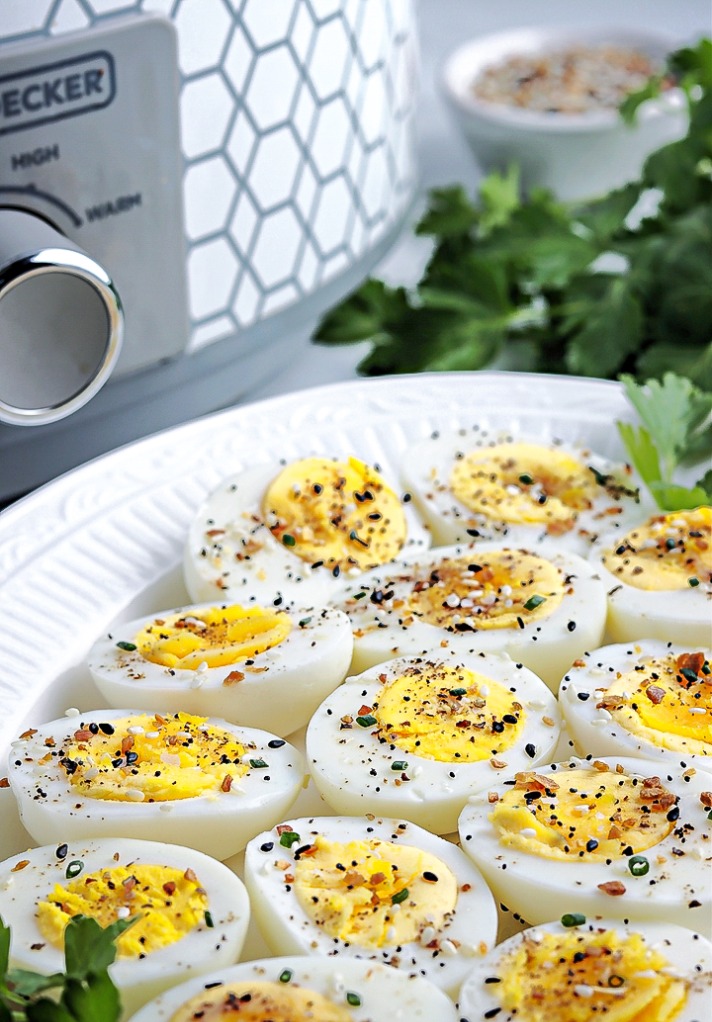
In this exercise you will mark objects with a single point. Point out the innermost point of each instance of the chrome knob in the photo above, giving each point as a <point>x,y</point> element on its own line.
<point>61,323</point>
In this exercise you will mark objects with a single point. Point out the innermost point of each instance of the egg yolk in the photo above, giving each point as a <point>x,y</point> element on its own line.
<point>591,815</point>
<point>576,977</point>
<point>506,589</point>
<point>524,484</point>
<point>263,1001</point>
<point>152,758</point>
<point>341,514</point>
<point>216,637</point>
<point>666,700</point>
<point>668,552</point>
<point>374,893</point>
<point>448,714</point>
<point>166,903</point>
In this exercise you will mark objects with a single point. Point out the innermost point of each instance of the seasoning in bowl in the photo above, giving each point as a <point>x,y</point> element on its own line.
<point>574,80</point>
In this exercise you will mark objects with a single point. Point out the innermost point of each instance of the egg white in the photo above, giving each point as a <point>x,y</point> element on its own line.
<point>594,729</point>
<point>353,770</point>
<point>426,467</point>
<point>230,553</point>
<point>677,889</point>
<point>547,646</point>
<point>689,954</point>
<point>672,615</point>
<point>288,929</point>
<point>385,994</point>
<point>219,823</point>
<point>30,877</point>
<point>279,688</point>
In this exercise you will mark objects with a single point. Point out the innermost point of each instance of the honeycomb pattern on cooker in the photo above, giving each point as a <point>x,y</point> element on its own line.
<point>283,187</point>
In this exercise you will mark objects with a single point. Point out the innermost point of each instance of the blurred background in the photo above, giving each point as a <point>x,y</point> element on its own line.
<point>246,165</point>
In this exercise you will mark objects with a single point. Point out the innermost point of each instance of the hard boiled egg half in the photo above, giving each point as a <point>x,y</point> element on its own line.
<point>621,838</point>
<point>189,912</point>
<point>543,610</point>
<point>258,666</point>
<point>196,781</point>
<point>471,485</point>
<point>279,535</point>
<point>415,736</point>
<point>300,989</point>
<point>581,969</point>
<point>659,579</point>
<point>382,890</point>
<point>644,698</point>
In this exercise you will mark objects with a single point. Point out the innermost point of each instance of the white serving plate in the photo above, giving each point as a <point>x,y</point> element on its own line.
<point>103,544</point>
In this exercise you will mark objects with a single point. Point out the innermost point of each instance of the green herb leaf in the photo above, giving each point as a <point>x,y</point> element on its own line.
<point>27,984</point>
<point>676,417</point>
<point>450,213</point>
<point>45,1010</point>
<point>499,198</point>
<point>92,999</point>
<point>363,315</point>
<point>4,949</point>
<point>89,948</point>
<point>611,331</point>
<point>671,497</point>
<point>631,104</point>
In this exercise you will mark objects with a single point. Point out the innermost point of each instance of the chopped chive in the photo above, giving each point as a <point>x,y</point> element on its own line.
<point>304,621</point>
<point>638,865</point>
<point>209,920</point>
<point>359,596</point>
<point>258,764</point>
<point>128,646</point>
<point>573,919</point>
<point>458,691</point>
<point>534,601</point>
<point>288,539</point>
<point>694,582</point>
<point>74,868</point>
<point>526,479</point>
<point>399,764</point>
<point>353,999</point>
<point>367,721</point>
<point>400,896</point>
<point>288,838</point>
<point>688,674</point>
<point>285,975</point>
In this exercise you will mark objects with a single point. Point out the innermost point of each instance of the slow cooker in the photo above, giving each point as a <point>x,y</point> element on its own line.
<point>185,185</point>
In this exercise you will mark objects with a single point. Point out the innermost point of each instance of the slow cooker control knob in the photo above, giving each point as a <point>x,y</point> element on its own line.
<point>61,323</point>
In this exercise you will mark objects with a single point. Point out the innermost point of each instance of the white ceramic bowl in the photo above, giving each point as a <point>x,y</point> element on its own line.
<point>575,155</point>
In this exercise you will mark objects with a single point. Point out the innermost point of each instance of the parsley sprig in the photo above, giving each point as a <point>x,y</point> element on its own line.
<point>677,427</point>
<point>621,284</point>
<point>84,992</point>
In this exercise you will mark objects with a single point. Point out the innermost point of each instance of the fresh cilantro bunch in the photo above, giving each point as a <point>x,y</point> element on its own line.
<point>593,289</point>
<point>83,993</point>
